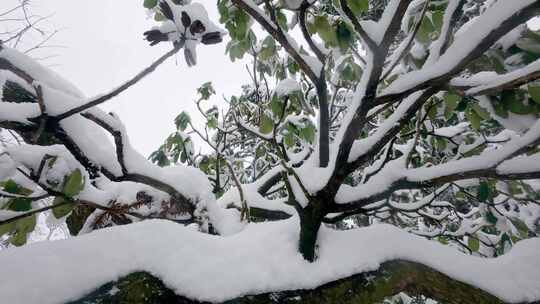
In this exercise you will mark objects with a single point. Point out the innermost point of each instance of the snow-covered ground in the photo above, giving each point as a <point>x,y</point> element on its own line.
<point>261,258</point>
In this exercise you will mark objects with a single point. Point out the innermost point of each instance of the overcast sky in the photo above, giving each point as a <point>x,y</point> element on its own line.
<point>104,46</point>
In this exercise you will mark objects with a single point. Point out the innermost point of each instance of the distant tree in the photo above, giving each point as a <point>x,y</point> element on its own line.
<point>422,114</point>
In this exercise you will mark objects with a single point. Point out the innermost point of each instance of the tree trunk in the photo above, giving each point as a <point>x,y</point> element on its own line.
<point>365,288</point>
<point>310,221</point>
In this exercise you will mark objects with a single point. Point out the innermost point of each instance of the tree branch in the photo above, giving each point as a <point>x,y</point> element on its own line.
<point>105,97</point>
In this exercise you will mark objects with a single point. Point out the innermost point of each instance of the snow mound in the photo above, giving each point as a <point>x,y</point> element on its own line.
<point>260,259</point>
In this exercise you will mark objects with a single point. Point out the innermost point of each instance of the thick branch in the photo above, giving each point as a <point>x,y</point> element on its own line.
<point>302,18</point>
<point>277,34</point>
<point>511,80</point>
<point>130,176</point>
<point>371,45</point>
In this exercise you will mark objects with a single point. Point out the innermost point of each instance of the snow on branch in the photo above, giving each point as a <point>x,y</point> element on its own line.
<point>84,140</point>
<point>498,20</point>
<point>490,163</point>
<point>196,271</point>
<point>486,83</point>
<point>271,26</point>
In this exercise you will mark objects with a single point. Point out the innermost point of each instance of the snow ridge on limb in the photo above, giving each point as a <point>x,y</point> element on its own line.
<point>486,164</point>
<point>195,271</point>
<point>509,15</point>
<point>96,158</point>
<point>497,21</point>
<point>490,84</point>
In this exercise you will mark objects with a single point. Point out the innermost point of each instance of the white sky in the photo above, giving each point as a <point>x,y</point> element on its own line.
<point>104,46</point>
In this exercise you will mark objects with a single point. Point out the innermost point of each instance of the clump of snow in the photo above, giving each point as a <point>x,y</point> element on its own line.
<point>452,131</point>
<point>262,258</point>
<point>94,142</point>
<point>515,122</point>
<point>314,63</point>
<point>18,112</point>
<point>39,72</point>
<point>287,86</point>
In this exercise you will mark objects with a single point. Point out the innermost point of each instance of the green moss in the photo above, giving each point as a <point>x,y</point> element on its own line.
<point>366,288</point>
<point>135,288</point>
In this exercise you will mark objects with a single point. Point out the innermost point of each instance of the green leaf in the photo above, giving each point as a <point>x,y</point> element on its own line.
<point>276,105</point>
<point>451,101</point>
<point>288,139</point>
<point>358,6</point>
<point>159,17</point>
<point>425,31</point>
<point>182,121</point>
<point>241,20</point>
<point>223,11</point>
<point>6,228</point>
<point>20,204</point>
<point>236,50</point>
<point>52,161</point>
<point>344,36</point>
<point>160,158</point>
<point>282,20</point>
<point>61,211</point>
<point>462,105</point>
<point>18,239</point>
<point>204,165</point>
<point>473,118</point>
<point>74,183</point>
<point>515,104</point>
<point>206,90</point>
<point>521,227</point>
<point>26,224</point>
<point>212,123</point>
<point>292,66</point>
<point>490,218</point>
<point>150,3</point>
<point>260,151</point>
<point>440,144</point>
<point>501,248</point>
<point>22,228</point>
<point>499,108</point>
<point>325,30</point>
<point>267,124</point>
<point>432,113</point>
<point>308,133</point>
<point>483,191</point>
<point>534,92</point>
<point>11,187</point>
<point>484,114</point>
<point>437,19</point>
<point>529,45</point>
<point>268,48</point>
<point>442,240</point>
<point>350,72</point>
<point>473,244</point>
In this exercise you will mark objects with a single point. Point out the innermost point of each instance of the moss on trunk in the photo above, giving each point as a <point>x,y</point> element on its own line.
<point>369,287</point>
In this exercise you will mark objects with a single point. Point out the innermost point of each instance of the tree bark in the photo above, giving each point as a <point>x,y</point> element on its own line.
<point>310,221</point>
<point>370,287</point>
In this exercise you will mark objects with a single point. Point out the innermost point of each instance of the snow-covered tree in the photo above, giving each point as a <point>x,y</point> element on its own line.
<point>416,113</point>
